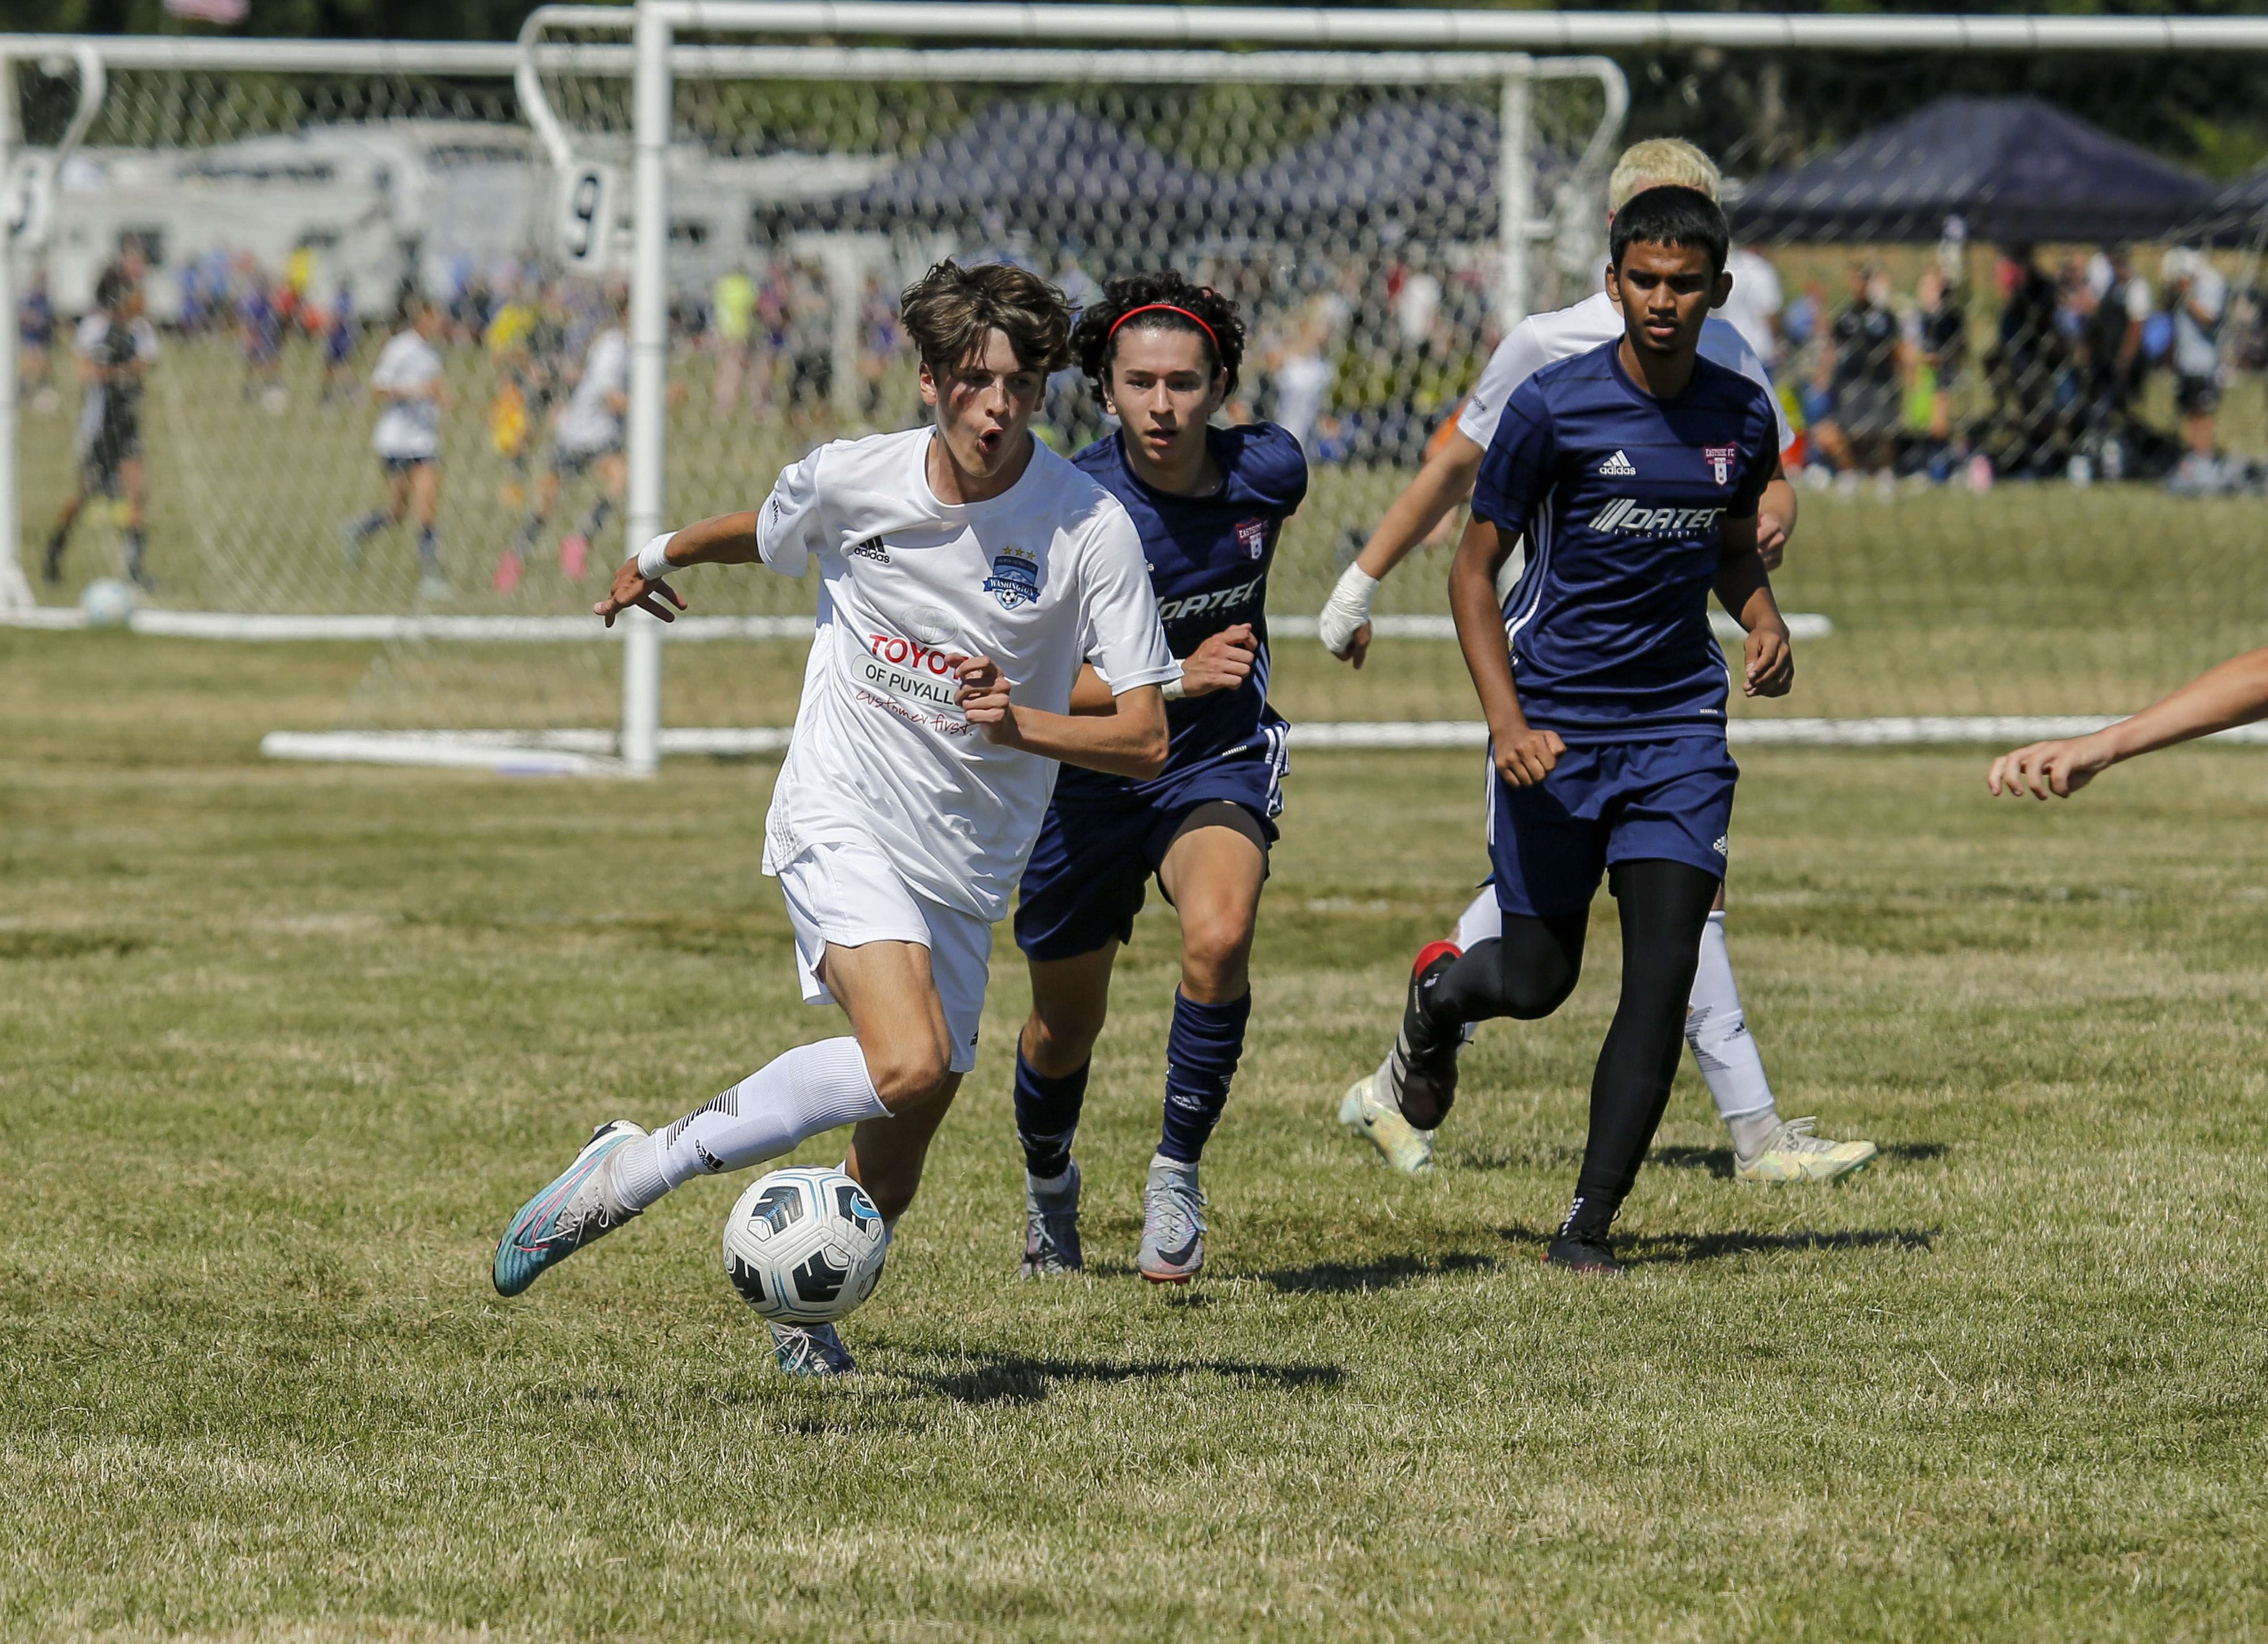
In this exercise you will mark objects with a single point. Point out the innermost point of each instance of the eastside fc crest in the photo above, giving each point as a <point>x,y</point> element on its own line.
<point>1720,460</point>
<point>1015,579</point>
<point>1253,535</point>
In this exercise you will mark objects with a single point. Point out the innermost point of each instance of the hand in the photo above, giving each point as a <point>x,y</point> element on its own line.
<point>631,588</point>
<point>1772,540</point>
<point>1771,660</point>
<point>1526,756</point>
<point>983,698</point>
<point>2061,769</point>
<point>1222,662</point>
<point>1345,625</point>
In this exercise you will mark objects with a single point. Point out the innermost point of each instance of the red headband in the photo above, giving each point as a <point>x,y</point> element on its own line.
<point>1167,308</point>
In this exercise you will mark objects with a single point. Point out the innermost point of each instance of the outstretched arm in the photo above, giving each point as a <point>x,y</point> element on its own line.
<point>1129,738</point>
<point>1445,481</point>
<point>2235,692</point>
<point>727,539</point>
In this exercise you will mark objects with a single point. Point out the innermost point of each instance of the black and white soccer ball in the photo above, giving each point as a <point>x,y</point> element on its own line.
<point>803,1246</point>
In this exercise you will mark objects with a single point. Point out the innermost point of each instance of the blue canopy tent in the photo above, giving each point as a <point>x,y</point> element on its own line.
<point>1422,170</point>
<point>1040,167</point>
<point>2014,169</point>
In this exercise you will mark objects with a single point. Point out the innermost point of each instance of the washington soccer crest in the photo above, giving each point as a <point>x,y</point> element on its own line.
<point>1720,460</point>
<point>1253,535</point>
<point>1015,579</point>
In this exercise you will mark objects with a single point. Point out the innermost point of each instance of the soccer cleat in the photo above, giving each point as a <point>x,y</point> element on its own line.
<point>434,588</point>
<point>1401,1143</point>
<point>579,1205</point>
<point>1051,1230</point>
<point>1585,1253</point>
<point>1173,1225</point>
<point>574,556</point>
<point>811,1350</point>
<point>1792,1154</point>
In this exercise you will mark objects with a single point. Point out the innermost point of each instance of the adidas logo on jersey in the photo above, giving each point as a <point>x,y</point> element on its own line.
<point>1619,467</point>
<point>871,549</point>
<point>1624,514</point>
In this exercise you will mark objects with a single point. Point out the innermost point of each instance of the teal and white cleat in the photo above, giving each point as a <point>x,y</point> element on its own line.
<point>581,1205</point>
<point>811,1350</point>
<point>1793,1153</point>
<point>1173,1225</point>
<point>1399,1142</point>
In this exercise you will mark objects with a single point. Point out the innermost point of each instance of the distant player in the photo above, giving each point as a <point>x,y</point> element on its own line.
<point>1210,503</point>
<point>588,434</point>
<point>966,571</point>
<point>2234,692</point>
<point>410,386</point>
<point>1765,1148</point>
<point>1636,470</point>
<point>116,347</point>
<point>338,346</point>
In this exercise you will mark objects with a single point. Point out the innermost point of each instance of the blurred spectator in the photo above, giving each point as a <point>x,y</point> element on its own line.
<point>2196,297</point>
<point>2116,304</point>
<point>1301,375</point>
<point>2027,435</point>
<point>811,343</point>
<point>1937,336</point>
<point>338,348</point>
<point>1860,366</point>
<point>731,323</point>
<point>1756,302</point>
<point>35,342</point>
<point>880,334</point>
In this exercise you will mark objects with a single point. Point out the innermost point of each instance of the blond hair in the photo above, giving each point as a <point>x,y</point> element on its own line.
<point>1661,163</point>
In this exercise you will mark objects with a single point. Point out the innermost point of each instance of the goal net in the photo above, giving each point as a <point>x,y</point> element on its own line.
<point>2025,409</point>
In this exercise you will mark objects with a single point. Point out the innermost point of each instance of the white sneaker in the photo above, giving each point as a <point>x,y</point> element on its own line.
<point>1401,1143</point>
<point>1793,1154</point>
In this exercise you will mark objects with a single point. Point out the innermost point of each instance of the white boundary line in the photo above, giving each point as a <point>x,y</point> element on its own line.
<point>590,752</point>
<point>267,625</point>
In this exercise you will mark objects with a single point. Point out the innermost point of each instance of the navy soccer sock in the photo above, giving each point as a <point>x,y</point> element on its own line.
<point>1201,1056</point>
<point>1047,1116</point>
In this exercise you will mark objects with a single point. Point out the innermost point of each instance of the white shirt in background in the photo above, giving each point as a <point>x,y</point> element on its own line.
<point>408,431</point>
<point>589,423</point>
<point>1756,302</point>
<point>1040,579</point>
<point>2197,343</point>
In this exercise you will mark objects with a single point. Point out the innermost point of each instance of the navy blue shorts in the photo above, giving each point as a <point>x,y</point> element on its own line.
<point>404,464</point>
<point>1604,804</point>
<point>1090,866</point>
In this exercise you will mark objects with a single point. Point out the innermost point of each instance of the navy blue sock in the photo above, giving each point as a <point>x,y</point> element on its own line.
<point>1201,1056</point>
<point>1047,1116</point>
<point>429,551</point>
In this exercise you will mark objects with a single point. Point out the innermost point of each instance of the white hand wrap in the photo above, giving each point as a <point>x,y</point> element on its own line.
<point>1346,610</point>
<point>653,558</point>
<point>1174,689</point>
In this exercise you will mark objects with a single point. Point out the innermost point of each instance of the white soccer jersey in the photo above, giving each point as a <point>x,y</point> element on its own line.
<point>589,423</point>
<point>1045,576</point>
<point>409,430</point>
<point>1540,339</point>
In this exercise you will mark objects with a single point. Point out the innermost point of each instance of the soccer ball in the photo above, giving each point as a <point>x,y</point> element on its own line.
<point>803,1246</point>
<point>107,602</point>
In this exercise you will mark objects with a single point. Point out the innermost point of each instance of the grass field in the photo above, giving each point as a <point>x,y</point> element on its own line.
<point>282,1047</point>
<point>2029,599</point>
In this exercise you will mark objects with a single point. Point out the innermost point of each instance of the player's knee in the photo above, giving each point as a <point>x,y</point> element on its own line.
<point>1537,994</point>
<point>907,1071</point>
<point>1215,951</point>
<point>1058,1042</point>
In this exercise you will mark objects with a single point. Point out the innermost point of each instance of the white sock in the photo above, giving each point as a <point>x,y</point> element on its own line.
<point>1483,920</point>
<point>1718,1030</point>
<point>813,1088</point>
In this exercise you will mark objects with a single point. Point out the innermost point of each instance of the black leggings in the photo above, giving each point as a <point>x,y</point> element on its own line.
<point>1664,907</point>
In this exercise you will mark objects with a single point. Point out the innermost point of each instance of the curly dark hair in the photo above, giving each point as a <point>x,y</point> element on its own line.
<point>1093,340</point>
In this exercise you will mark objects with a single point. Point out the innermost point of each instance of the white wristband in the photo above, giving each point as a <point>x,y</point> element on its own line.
<point>653,558</point>
<point>1346,610</point>
<point>1175,689</point>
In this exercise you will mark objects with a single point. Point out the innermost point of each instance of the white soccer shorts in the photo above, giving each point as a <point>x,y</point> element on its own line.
<point>850,894</point>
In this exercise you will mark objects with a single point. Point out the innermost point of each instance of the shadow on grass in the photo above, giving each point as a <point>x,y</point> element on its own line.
<point>1346,1277</point>
<point>1644,1249</point>
<point>1016,1378</point>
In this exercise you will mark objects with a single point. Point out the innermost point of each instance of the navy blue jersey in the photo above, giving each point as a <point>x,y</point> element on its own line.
<point>1623,500</point>
<point>1208,558</point>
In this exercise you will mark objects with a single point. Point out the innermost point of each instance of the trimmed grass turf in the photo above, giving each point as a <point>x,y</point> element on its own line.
<point>282,1047</point>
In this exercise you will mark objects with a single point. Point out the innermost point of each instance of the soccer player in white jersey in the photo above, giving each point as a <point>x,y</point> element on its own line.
<point>587,435</point>
<point>966,572</point>
<point>115,345</point>
<point>1766,1149</point>
<point>408,383</point>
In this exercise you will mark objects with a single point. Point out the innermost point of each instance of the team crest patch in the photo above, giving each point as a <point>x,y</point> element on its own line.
<point>1015,579</point>
<point>1253,535</point>
<point>1720,460</point>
